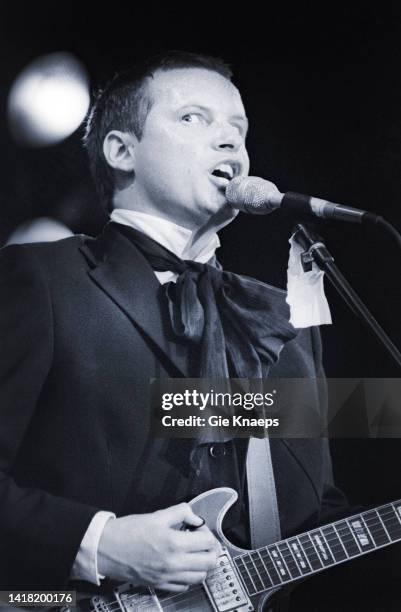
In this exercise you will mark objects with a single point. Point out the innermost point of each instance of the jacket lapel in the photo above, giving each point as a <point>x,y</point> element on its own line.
<point>121,271</point>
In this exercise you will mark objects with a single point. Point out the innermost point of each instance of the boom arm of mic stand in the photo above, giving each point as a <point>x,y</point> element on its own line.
<point>318,252</point>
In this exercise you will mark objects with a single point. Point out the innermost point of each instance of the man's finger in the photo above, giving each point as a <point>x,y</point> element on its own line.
<point>172,587</point>
<point>196,541</point>
<point>197,562</point>
<point>186,577</point>
<point>181,514</point>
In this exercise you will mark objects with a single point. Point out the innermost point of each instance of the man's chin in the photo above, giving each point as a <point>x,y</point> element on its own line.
<point>225,214</point>
<point>218,217</point>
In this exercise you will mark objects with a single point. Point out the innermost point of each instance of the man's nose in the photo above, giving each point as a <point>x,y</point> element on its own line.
<point>227,137</point>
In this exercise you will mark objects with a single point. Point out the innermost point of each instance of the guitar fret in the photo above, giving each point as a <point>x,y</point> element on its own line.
<point>310,551</point>
<point>304,553</point>
<point>384,526</point>
<point>340,540</point>
<point>267,560</point>
<point>320,547</point>
<point>258,582</point>
<point>353,535</point>
<point>334,543</point>
<point>266,570</point>
<point>284,561</point>
<point>365,538</point>
<point>397,511</point>
<point>293,547</point>
<point>261,570</point>
<point>279,563</point>
<point>299,556</point>
<point>276,565</point>
<point>259,576</point>
<point>347,538</point>
<point>390,518</point>
<point>376,528</point>
<point>337,546</point>
<point>316,550</point>
<point>327,544</point>
<point>247,578</point>
<point>289,559</point>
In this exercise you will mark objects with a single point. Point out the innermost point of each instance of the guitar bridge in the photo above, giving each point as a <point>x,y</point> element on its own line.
<point>224,587</point>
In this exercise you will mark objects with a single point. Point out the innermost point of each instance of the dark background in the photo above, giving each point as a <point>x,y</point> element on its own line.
<point>322,89</point>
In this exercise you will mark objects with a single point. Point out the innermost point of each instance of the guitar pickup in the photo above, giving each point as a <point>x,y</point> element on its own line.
<point>224,587</point>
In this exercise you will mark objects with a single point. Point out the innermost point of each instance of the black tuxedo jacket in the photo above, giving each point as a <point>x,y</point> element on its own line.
<point>82,330</point>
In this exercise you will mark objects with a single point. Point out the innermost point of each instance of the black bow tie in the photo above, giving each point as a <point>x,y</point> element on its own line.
<point>238,324</point>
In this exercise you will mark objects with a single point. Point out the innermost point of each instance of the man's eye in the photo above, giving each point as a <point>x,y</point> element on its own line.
<point>192,118</point>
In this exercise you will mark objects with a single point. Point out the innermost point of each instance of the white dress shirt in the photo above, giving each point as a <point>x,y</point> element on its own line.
<point>178,240</point>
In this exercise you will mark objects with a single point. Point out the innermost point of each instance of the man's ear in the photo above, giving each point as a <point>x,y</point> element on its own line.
<point>118,149</point>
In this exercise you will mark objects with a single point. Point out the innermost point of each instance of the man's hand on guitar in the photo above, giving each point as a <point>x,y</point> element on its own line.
<point>150,549</point>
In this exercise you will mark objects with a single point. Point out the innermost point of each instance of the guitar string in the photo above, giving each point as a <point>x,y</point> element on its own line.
<point>339,524</point>
<point>308,548</point>
<point>290,578</point>
<point>267,582</point>
<point>308,545</point>
<point>332,542</point>
<point>258,591</point>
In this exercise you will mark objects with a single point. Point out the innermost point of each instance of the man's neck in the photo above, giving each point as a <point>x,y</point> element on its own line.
<point>198,235</point>
<point>175,238</point>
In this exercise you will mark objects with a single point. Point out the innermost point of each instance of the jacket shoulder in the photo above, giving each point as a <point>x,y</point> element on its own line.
<point>49,256</point>
<point>43,249</point>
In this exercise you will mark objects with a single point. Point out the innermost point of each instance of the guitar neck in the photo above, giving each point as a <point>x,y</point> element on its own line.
<point>313,551</point>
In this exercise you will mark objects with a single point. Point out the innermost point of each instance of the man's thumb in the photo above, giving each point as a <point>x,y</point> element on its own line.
<point>182,515</point>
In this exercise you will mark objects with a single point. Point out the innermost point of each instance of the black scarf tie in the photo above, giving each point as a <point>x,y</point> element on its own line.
<point>238,324</point>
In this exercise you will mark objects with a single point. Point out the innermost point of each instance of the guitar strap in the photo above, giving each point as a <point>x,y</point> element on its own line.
<point>264,520</point>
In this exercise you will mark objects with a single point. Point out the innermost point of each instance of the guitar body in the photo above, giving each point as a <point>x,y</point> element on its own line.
<point>243,580</point>
<point>223,590</point>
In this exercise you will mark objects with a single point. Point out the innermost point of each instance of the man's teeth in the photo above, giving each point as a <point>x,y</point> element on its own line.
<point>224,170</point>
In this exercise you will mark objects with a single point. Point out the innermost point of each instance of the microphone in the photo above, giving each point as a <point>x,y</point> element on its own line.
<point>254,195</point>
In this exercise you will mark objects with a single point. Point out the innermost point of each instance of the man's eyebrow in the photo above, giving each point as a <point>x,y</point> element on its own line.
<point>199,106</point>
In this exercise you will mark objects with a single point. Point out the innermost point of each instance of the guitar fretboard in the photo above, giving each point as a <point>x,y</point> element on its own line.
<point>313,551</point>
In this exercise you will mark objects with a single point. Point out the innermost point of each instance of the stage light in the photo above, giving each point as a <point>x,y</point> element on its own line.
<point>48,100</point>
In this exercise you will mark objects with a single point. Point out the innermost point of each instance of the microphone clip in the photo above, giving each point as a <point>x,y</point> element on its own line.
<point>315,249</point>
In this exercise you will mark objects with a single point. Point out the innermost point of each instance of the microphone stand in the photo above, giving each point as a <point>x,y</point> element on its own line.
<point>316,251</point>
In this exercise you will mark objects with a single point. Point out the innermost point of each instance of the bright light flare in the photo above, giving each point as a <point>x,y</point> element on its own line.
<point>48,100</point>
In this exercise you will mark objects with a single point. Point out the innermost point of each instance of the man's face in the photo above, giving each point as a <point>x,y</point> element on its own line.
<point>196,127</point>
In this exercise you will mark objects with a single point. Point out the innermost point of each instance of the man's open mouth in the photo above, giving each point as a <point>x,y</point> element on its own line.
<point>226,170</point>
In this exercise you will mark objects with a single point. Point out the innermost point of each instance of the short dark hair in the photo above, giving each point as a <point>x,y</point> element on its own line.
<point>123,104</point>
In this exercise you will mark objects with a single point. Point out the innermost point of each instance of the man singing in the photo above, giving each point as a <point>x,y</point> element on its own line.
<point>87,493</point>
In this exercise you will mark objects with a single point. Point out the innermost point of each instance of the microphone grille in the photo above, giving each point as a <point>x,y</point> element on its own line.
<point>250,193</point>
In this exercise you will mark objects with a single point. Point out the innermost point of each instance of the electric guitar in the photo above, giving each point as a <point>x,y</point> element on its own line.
<point>246,580</point>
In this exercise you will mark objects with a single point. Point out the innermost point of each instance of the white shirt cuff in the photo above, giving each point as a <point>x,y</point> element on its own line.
<point>85,564</point>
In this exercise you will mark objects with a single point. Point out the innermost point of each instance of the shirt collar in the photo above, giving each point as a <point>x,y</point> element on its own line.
<point>173,237</point>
